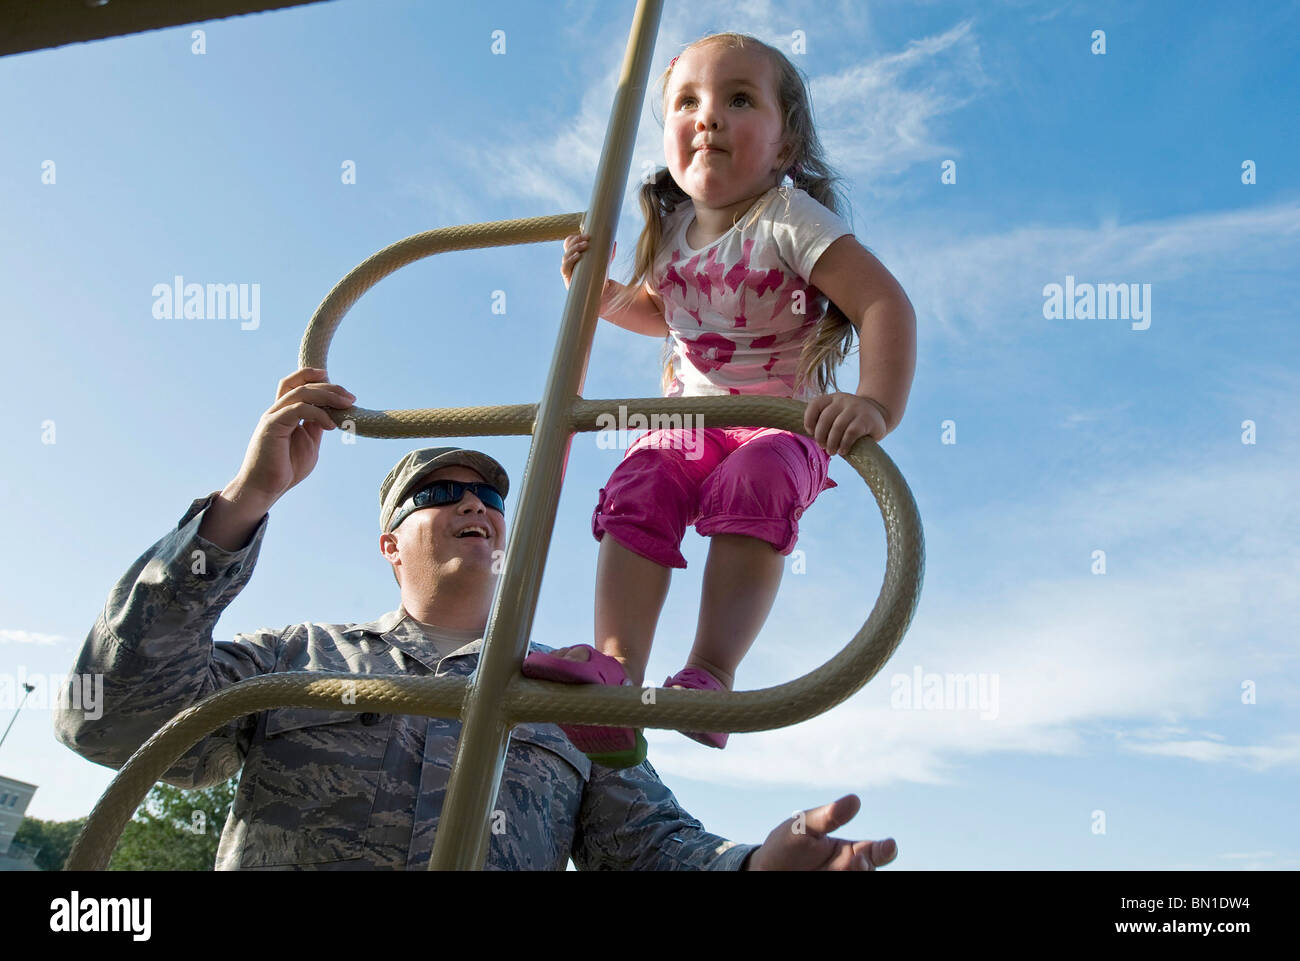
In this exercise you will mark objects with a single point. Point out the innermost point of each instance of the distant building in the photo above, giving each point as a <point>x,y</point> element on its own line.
<point>14,797</point>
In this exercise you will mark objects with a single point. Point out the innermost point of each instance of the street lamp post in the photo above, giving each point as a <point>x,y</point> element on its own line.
<point>27,689</point>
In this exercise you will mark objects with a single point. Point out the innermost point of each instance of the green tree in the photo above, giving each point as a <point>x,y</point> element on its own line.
<point>175,829</point>
<point>52,840</point>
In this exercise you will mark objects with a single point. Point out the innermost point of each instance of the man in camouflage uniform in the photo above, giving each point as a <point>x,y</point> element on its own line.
<point>339,790</point>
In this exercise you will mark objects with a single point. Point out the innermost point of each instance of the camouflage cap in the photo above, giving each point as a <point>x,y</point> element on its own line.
<point>415,465</point>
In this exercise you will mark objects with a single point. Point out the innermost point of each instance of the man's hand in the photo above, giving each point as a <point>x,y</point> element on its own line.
<point>286,442</point>
<point>838,421</point>
<point>800,843</point>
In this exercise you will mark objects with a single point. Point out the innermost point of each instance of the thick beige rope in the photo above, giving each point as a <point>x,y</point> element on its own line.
<point>446,422</point>
<point>530,700</point>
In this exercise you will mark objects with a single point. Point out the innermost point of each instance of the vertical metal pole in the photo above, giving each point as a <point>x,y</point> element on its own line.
<point>461,842</point>
<point>27,689</point>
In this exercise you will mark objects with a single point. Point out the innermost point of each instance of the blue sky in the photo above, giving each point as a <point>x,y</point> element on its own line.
<point>1118,692</point>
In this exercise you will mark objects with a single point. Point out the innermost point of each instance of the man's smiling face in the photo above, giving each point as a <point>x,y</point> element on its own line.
<point>448,538</point>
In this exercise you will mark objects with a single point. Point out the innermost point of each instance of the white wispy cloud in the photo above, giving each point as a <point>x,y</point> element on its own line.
<point>1284,750</point>
<point>879,117</point>
<point>1075,417</point>
<point>987,287</point>
<point>28,637</point>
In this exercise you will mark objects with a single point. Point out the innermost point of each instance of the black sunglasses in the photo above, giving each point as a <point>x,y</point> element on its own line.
<point>442,492</point>
<point>452,492</point>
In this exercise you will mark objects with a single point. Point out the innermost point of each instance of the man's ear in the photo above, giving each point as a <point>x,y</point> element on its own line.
<point>385,540</point>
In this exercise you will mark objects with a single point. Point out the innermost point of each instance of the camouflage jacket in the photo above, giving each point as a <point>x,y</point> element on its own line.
<point>339,790</point>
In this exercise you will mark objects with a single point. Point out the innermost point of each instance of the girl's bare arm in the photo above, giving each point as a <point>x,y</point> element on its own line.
<point>644,316</point>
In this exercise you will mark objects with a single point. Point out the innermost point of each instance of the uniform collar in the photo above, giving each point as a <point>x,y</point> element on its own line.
<point>380,625</point>
<point>398,626</point>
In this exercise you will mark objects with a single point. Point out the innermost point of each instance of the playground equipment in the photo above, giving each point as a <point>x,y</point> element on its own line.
<point>497,696</point>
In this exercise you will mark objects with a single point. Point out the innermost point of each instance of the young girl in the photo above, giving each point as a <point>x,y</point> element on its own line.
<point>734,269</point>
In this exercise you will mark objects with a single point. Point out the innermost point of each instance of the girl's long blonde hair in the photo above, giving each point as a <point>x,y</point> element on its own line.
<point>831,341</point>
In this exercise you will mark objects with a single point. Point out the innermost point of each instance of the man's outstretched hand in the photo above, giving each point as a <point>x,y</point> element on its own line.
<point>801,843</point>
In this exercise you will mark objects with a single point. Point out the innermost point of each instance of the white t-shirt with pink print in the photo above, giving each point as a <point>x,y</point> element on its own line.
<point>731,306</point>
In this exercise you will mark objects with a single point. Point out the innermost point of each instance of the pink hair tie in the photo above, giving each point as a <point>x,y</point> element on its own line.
<point>671,62</point>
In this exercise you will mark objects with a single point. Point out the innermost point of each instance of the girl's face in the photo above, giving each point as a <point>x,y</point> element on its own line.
<point>725,97</point>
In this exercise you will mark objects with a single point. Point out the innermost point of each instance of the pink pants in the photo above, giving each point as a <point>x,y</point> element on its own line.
<point>756,481</point>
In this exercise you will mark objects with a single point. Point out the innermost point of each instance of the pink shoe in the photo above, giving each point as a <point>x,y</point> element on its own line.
<point>615,747</point>
<point>693,678</point>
